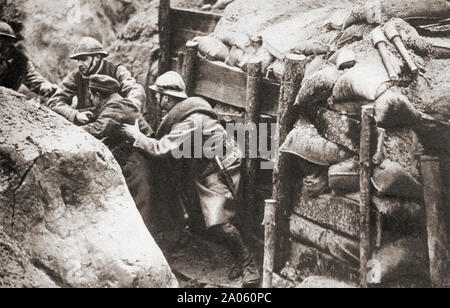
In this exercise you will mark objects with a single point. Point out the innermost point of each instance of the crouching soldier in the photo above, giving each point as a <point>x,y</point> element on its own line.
<point>15,67</point>
<point>215,180</point>
<point>110,111</point>
<point>90,56</point>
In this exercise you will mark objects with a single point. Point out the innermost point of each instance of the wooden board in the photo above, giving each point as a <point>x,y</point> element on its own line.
<point>225,84</point>
<point>187,24</point>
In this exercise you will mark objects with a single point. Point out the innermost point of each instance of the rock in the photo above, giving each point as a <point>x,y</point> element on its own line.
<point>64,200</point>
<point>16,268</point>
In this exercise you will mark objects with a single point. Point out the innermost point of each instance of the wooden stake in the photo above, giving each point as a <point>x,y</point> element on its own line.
<point>189,67</point>
<point>437,221</point>
<point>270,215</point>
<point>253,111</point>
<point>284,171</point>
<point>165,37</point>
<point>367,135</point>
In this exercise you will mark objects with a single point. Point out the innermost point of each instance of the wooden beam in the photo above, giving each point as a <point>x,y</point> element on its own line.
<point>367,135</point>
<point>270,215</point>
<point>190,67</point>
<point>284,169</point>
<point>165,37</point>
<point>252,115</point>
<point>437,221</point>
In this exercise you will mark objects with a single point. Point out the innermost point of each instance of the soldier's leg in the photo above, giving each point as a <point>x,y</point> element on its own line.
<point>240,251</point>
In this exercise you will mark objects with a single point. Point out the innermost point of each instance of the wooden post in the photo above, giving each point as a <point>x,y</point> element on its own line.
<point>151,110</point>
<point>189,67</point>
<point>270,215</point>
<point>253,111</point>
<point>367,135</point>
<point>437,221</point>
<point>165,37</point>
<point>284,172</point>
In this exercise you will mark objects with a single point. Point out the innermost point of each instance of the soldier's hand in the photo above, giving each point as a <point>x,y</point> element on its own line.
<point>48,89</point>
<point>83,118</point>
<point>132,131</point>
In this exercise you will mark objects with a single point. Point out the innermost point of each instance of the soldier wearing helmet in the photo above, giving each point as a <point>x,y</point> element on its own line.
<point>90,56</point>
<point>15,67</point>
<point>191,123</point>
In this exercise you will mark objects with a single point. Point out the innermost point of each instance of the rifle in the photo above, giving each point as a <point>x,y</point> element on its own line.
<point>226,176</point>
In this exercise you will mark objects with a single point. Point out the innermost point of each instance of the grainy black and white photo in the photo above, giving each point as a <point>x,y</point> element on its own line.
<point>225,144</point>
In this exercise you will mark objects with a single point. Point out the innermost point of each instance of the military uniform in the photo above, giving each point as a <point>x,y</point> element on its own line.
<point>77,85</point>
<point>16,69</point>
<point>195,117</point>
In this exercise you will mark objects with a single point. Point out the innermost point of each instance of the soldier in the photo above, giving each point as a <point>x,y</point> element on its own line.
<point>90,54</point>
<point>111,111</point>
<point>215,180</point>
<point>15,67</point>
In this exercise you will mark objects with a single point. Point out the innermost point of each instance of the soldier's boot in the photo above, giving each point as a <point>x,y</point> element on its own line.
<point>245,265</point>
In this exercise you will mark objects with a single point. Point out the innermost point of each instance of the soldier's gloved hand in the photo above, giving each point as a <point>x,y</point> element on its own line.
<point>48,89</point>
<point>132,131</point>
<point>83,118</point>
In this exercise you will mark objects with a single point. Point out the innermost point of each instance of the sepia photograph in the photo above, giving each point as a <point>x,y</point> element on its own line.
<point>225,149</point>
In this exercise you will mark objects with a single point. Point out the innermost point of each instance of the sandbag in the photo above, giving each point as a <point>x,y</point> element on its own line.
<point>232,38</point>
<point>316,184</point>
<point>340,247</point>
<point>393,110</point>
<point>235,57</point>
<point>367,80</point>
<point>379,11</point>
<point>407,257</point>
<point>344,177</point>
<point>309,48</point>
<point>391,179</point>
<point>352,108</point>
<point>212,48</point>
<point>265,57</point>
<point>317,87</point>
<point>339,129</point>
<point>400,217</point>
<point>222,4</point>
<point>306,142</point>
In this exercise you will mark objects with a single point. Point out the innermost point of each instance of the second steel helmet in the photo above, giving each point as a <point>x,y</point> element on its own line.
<point>170,83</point>
<point>88,46</point>
<point>6,31</point>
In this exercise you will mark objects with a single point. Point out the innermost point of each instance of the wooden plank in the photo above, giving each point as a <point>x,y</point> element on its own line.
<point>338,213</point>
<point>195,20</point>
<point>187,24</point>
<point>219,82</point>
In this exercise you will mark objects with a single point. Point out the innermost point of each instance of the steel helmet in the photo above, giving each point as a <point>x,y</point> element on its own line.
<point>88,46</point>
<point>6,31</point>
<point>170,83</point>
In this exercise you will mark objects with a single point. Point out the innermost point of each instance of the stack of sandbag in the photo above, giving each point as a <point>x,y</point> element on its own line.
<point>326,219</point>
<point>379,11</point>
<point>235,49</point>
